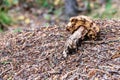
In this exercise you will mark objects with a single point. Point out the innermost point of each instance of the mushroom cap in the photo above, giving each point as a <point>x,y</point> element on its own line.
<point>87,22</point>
<point>76,22</point>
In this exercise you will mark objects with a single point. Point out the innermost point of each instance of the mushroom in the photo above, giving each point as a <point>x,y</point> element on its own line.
<point>79,27</point>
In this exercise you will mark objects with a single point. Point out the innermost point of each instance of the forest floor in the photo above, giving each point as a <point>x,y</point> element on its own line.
<point>34,52</point>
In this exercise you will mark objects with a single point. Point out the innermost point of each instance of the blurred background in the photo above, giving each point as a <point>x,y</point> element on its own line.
<point>34,13</point>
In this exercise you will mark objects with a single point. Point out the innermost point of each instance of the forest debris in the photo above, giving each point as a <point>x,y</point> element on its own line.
<point>19,72</point>
<point>55,72</point>
<point>96,78</point>
<point>92,72</point>
<point>80,27</point>
<point>27,21</point>
<point>114,72</point>
<point>21,17</point>
<point>39,54</point>
<point>116,55</point>
<point>5,71</point>
<point>73,73</point>
<point>102,42</point>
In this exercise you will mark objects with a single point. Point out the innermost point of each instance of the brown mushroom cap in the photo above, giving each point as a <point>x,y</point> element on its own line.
<point>78,21</point>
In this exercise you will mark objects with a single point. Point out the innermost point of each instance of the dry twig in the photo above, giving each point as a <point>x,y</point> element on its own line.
<point>5,71</point>
<point>102,42</point>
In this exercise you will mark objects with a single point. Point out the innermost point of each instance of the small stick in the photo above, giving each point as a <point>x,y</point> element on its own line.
<point>5,71</point>
<point>102,42</point>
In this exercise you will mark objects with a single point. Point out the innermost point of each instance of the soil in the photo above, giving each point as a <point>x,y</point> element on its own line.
<point>35,54</point>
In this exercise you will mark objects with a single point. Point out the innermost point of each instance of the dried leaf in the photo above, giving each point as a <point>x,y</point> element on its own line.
<point>27,21</point>
<point>96,78</point>
<point>21,17</point>
<point>56,2</point>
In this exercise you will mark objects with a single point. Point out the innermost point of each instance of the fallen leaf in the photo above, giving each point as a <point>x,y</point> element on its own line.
<point>21,17</point>
<point>96,78</point>
<point>27,21</point>
<point>56,2</point>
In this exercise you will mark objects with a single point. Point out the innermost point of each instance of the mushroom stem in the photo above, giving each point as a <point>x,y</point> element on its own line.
<point>73,41</point>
